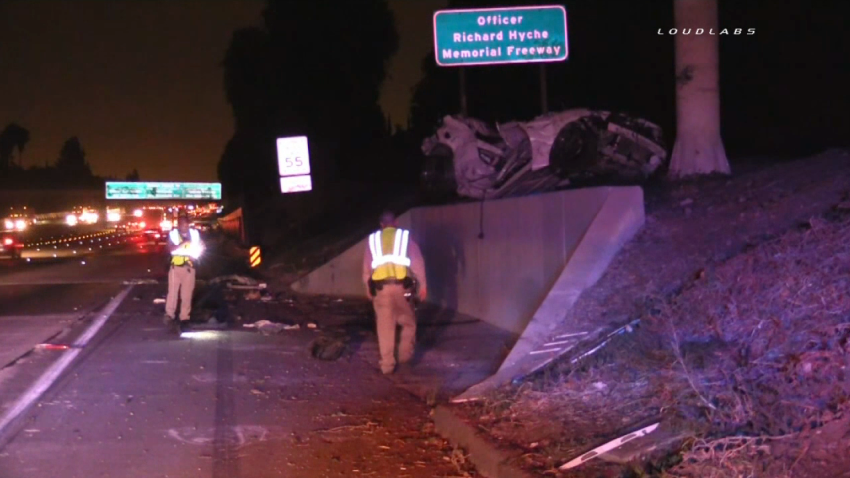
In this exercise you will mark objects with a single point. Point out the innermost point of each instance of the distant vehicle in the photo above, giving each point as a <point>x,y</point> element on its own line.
<point>82,215</point>
<point>154,225</point>
<point>11,246</point>
<point>18,220</point>
<point>470,158</point>
<point>205,224</point>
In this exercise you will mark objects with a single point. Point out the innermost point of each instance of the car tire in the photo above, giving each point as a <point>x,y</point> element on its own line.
<point>574,149</point>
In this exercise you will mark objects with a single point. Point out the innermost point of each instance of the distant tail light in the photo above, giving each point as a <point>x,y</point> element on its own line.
<point>8,241</point>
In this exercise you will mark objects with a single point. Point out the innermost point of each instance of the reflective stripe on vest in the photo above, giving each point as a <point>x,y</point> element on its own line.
<point>399,254</point>
<point>176,239</point>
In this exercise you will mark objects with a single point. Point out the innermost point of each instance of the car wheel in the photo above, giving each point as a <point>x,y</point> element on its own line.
<point>438,175</point>
<point>574,149</point>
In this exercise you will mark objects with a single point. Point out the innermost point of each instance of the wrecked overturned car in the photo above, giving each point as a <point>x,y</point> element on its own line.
<point>473,159</point>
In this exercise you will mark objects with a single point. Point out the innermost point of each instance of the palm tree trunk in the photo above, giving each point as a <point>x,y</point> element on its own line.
<point>698,148</point>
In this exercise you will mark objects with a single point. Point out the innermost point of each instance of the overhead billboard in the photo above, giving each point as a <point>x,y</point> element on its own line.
<point>493,36</point>
<point>293,164</point>
<point>162,190</point>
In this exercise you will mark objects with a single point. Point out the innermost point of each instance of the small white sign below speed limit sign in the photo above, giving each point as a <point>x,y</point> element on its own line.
<point>293,156</point>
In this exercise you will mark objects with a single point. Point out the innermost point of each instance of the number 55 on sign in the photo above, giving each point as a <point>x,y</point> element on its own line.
<point>293,156</point>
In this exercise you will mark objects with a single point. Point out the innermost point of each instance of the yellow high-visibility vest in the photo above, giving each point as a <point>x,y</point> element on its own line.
<point>180,259</point>
<point>389,253</point>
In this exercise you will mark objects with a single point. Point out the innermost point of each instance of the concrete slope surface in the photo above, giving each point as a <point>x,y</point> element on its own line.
<point>517,263</point>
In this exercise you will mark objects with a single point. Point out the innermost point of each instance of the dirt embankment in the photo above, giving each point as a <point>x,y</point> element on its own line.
<point>742,286</point>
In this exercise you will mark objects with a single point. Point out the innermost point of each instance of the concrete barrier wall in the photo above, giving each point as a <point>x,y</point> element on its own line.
<point>619,219</point>
<point>501,278</point>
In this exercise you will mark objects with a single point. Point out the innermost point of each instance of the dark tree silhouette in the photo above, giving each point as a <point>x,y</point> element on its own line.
<point>328,90</point>
<point>72,160</point>
<point>13,136</point>
<point>133,176</point>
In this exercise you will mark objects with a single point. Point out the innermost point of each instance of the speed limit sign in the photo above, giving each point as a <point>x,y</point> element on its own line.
<point>293,156</point>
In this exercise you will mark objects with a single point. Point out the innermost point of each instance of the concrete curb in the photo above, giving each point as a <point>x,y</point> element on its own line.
<point>489,460</point>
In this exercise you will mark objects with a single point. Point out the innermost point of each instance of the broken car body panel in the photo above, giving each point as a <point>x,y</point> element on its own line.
<point>479,160</point>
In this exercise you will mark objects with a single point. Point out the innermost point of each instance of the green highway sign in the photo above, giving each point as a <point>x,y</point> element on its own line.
<point>148,190</point>
<point>491,36</point>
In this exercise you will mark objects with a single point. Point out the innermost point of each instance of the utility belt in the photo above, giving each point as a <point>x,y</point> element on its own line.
<point>374,286</point>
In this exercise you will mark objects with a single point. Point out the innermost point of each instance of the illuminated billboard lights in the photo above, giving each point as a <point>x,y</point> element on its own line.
<point>163,190</point>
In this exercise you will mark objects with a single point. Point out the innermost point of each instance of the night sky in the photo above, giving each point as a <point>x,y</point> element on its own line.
<point>140,83</point>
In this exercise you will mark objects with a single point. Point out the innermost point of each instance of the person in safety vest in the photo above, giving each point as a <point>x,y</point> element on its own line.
<point>186,247</point>
<point>393,267</point>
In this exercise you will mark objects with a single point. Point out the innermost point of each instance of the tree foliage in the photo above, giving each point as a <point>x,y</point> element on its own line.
<point>311,69</point>
<point>72,160</point>
<point>13,136</point>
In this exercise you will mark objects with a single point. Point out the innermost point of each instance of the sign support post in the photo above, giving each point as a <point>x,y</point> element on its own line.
<point>498,36</point>
<point>464,109</point>
<point>544,97</point>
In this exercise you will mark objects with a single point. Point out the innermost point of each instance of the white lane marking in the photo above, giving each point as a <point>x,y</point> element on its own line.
<point>102,318</point>
<point>544,351</point>
<point>52,374</point>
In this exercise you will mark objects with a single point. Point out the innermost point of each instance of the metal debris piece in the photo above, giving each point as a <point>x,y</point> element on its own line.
<point>626,328</point>
<point>615,443</point>
<point>53,347</point>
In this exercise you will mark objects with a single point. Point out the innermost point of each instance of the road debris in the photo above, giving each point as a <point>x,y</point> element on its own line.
<point>140,281</point>
<point>615,443</point>
<point>235,281</point>
<point>328,348</point>
<point>268,327</point>
<point>53,347</point>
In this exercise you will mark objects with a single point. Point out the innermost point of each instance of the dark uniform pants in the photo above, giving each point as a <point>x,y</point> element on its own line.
<point>181,283</point>
<point>391,310</point>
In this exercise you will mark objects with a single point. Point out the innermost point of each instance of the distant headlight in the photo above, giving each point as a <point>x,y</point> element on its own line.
<point>8,224</point>
<point>20,224</point>
<point>71,220</point>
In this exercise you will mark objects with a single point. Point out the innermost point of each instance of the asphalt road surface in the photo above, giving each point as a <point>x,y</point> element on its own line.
<point>93,385</point>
